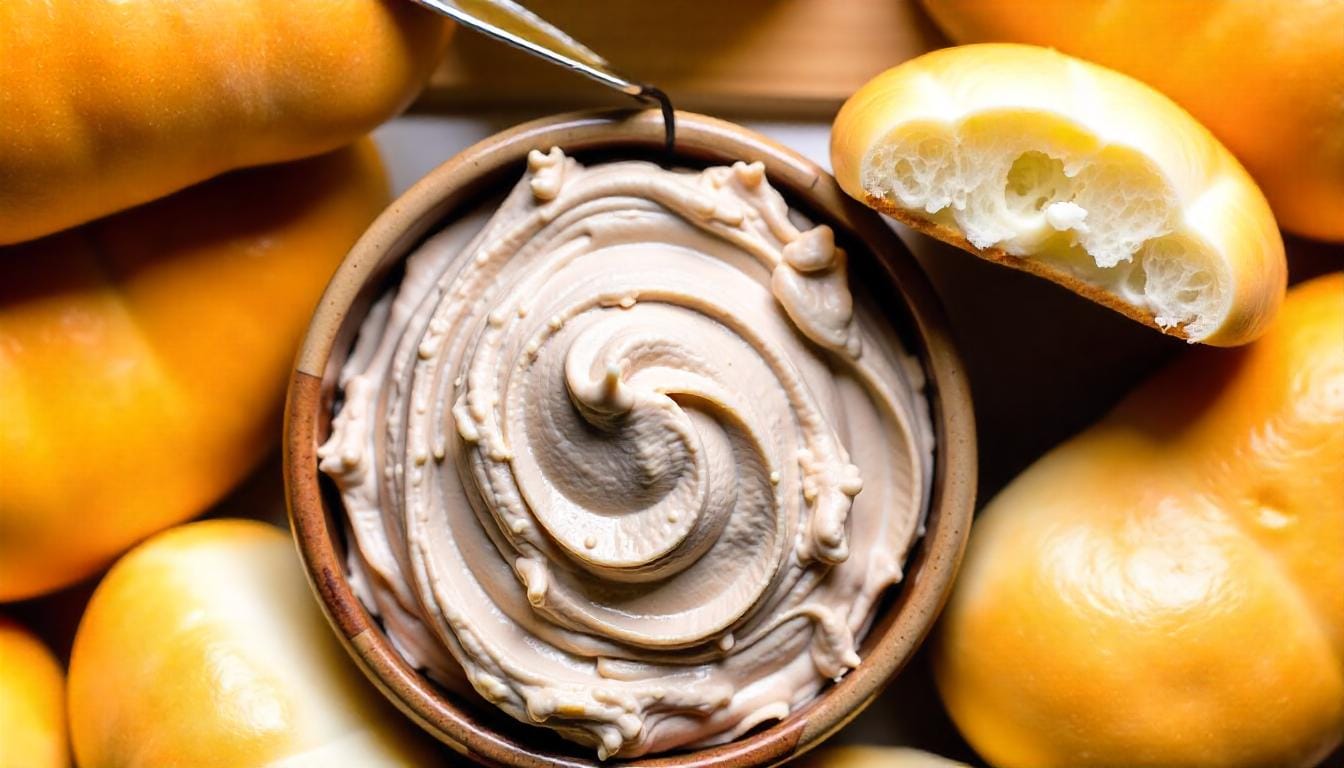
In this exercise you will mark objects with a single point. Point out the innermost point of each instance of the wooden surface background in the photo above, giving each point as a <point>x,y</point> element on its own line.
<point>780,58</point>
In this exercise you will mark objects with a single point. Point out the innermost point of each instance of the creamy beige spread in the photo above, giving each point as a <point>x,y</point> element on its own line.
<point>628,457</point>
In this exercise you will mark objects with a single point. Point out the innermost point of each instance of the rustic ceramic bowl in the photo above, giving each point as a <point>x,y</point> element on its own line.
<point>877,257</point>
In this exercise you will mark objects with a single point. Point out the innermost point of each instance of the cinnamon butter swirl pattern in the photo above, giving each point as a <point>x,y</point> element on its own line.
<point>628,458</point>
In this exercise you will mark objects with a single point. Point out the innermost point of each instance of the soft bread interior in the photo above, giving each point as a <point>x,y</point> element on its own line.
<point>1039,189</point>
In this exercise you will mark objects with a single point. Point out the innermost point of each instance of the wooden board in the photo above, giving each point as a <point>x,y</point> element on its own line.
<point>778,58</point>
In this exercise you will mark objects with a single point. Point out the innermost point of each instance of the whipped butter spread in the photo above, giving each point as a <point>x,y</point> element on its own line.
<point>627,458</point>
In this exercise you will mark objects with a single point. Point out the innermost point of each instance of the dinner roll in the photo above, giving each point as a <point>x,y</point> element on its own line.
<point>106,105</point>
<point>143,356</point>
<point>32,702</point>
<point>1266,76</point>
<point>1048,164</point>
<point>1167,588</point>
<point>204,646</point>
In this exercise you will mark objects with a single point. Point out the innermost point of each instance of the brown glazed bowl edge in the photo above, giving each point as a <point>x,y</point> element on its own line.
<point>700,140</point>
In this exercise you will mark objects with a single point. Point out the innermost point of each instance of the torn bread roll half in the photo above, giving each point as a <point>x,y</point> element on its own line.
<point>1073,172</point>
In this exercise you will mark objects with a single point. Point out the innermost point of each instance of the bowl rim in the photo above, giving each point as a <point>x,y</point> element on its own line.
<point>930,569</point>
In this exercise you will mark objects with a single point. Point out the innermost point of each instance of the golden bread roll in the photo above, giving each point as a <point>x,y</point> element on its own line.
<point>205,647</point>
<point>1048,164</point>
<point>106,104</point>
<point>874,757</point>
<point>1266,76</point>
<point>32,702</point>
<point>1165,588</point>
<point>143,357</point>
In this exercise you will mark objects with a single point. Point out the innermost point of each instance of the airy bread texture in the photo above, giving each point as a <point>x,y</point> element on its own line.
<point>205,647</point>
<point>143,356</point>
<point>1265,76</point>
<point>1165,589</point>
<point>1048,164</point>
<point>107,104</point>
<point>32,702</point>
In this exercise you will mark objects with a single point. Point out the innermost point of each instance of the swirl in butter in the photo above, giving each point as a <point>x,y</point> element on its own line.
<point>628,457</point>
